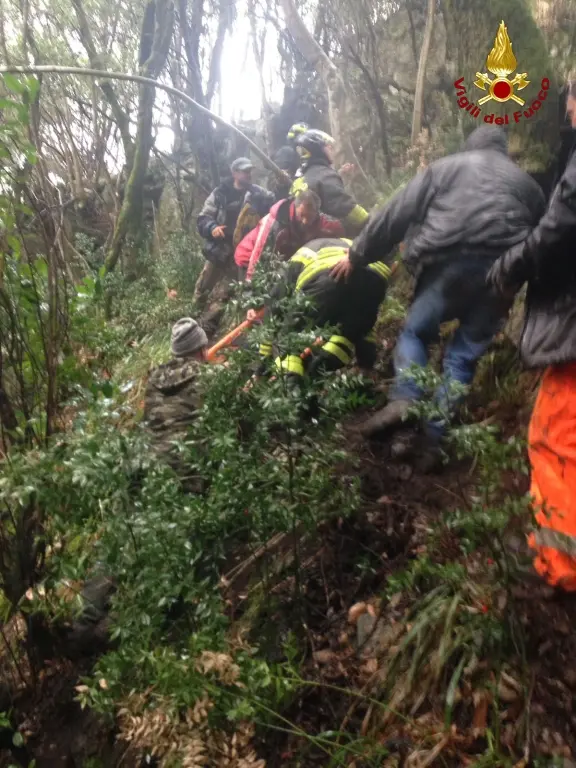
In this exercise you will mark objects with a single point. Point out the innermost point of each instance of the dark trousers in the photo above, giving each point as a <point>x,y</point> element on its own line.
<point>210,277</point>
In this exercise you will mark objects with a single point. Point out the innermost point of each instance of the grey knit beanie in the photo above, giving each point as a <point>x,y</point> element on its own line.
<point>187,337</point>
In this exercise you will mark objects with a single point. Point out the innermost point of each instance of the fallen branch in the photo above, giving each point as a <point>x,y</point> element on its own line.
<point>239,569</point>
<point>83,71</point>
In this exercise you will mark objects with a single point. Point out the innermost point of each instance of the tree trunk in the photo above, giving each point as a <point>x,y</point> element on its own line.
<point>198,129</point>
<point>154,45</point>
<point>258,49</point>
<point>421,76</point>
<point>224,23</point>
<point>380,109</point>
<point>338,97</point>
<point>120,117</point>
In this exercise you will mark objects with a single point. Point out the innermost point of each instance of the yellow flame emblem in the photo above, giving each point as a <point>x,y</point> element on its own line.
<point>501,62</point>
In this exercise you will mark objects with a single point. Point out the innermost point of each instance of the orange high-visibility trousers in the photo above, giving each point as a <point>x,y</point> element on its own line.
<point>552,451</point>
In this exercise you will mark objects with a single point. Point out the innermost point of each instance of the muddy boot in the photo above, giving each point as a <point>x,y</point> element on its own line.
<point>528,582</point>
<point>430,460</point>
<point>403,444</point>
<point>521,559</point>
<point>390,416</point>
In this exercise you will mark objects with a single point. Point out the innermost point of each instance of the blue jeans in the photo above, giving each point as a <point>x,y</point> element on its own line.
<point>455,291</point>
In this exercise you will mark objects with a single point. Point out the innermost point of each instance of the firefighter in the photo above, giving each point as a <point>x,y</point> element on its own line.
<point>351,306</point>
<point>288,159</point>
<point>316,150</point>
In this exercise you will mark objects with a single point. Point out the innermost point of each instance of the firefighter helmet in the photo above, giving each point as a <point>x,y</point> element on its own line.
<point>313,142</point>
<point>296,130</point>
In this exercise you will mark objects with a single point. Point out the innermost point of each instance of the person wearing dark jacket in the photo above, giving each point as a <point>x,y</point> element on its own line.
<point>352,306</point>
<point>316,151</point>
<point>456,218</point>
<point>288,159</point>
<point>545,259</point>
<point>218,221</point>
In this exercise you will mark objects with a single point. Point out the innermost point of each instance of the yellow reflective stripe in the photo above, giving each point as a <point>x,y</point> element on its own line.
<point>290,364</point>
<point>380,268</point>
<point>300,260</point>
<point>331,250</point>
<point>325,258</point>
<point>342,340</point>
<point>299,185</point>
<point>337,351</point>
<point>357,216</point>
<point>315,268</point>
<point>265,349</point>
<point>322,253</point>
<point>304,256</point>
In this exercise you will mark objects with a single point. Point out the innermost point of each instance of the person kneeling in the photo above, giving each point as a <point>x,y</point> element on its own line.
<point>351,306</point>
<point>171,401</point>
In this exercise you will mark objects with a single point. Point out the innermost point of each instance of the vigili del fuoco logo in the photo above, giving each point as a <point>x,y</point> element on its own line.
<point>501,62</point>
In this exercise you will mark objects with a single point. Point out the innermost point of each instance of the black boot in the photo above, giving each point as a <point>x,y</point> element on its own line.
<point>403,444</point>
<point>391,416</point>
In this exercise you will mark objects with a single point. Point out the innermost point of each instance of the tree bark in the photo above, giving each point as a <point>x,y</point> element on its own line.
<point>380,109</point>
<point>421,76</point>
<point>63,70</point>
<point>338,97</point>
<point>225,16</point>
<point>157,29</point>
<point>258,49</point>
<point>198,128</point>
<point>120,117</point>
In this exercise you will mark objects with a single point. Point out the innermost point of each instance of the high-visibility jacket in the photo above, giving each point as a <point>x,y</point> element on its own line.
<point>319,176</point>
<point>350,305</point>
<point>552,449</point>
<point>280,230</point>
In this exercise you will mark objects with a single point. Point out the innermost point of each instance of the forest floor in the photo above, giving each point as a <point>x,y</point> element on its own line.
<point>374,671</point>
<point>392,529</point>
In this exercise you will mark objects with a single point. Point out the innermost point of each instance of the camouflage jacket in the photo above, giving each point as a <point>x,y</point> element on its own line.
<point>170,407</point>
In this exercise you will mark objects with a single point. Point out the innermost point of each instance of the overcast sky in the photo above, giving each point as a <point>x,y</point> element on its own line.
<point>240,84</point>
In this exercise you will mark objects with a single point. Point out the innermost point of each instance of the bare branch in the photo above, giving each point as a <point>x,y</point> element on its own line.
<point>63,70</point>
<point>121,118</point>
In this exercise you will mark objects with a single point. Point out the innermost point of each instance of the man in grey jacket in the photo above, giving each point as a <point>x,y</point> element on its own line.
<point>217,223</point>
<point>456,219</point>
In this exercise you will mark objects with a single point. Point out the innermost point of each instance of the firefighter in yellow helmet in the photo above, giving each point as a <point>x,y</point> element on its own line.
<point>288,159</point>
<point>316,150</point>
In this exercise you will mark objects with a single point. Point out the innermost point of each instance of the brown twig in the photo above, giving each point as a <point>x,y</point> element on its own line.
<point>84,71</point>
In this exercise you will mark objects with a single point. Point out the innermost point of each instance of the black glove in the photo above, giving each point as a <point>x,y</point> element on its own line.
<point>508,274</point>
